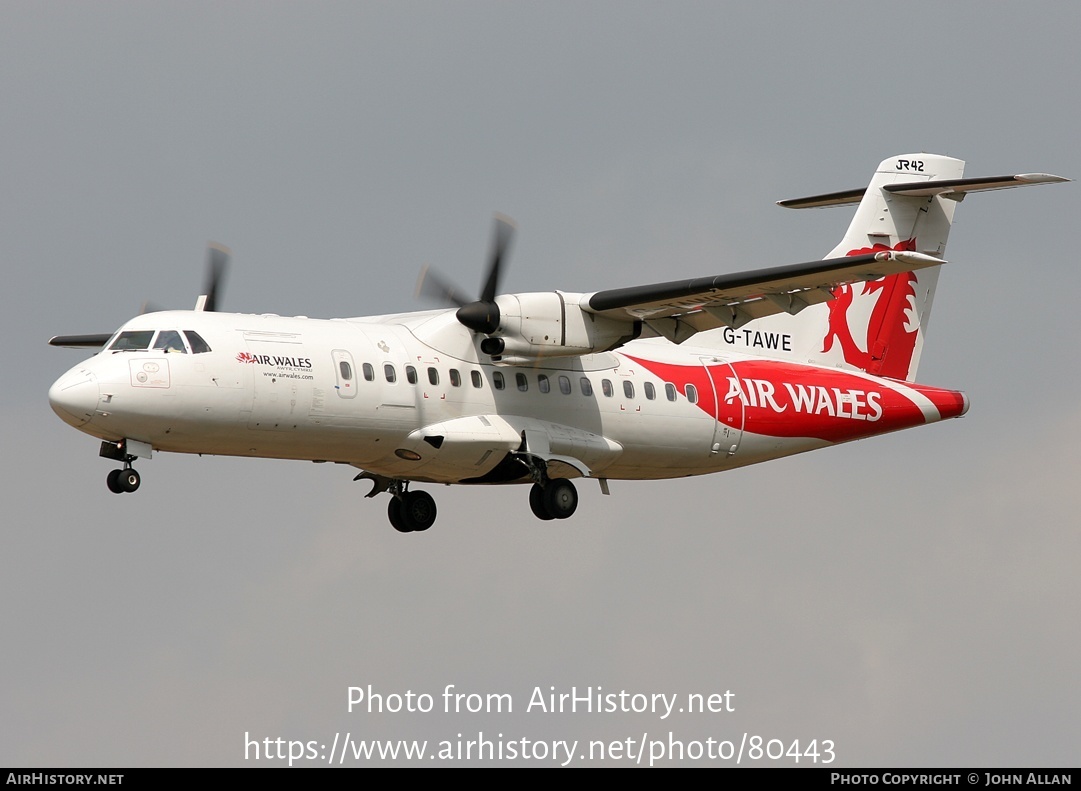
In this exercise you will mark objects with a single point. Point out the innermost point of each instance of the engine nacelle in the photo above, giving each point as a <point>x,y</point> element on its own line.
<point>551,324</point>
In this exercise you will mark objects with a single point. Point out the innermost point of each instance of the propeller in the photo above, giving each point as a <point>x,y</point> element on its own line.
<point>433,287</point>
<point>217,262</point>
<point>482,316</point>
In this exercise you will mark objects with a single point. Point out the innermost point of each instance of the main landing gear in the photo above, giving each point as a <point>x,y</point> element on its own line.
<point>554,499</point>
<point>415,511</point>
<point>411,512</point>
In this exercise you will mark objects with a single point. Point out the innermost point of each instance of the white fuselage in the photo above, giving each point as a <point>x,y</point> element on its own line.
<point>410,397</point>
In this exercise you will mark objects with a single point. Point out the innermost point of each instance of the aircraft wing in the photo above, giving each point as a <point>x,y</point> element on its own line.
<point>680,308</point>
<point>81,341</point>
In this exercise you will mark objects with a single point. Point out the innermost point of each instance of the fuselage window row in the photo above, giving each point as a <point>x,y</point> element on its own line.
<point>499,381</point>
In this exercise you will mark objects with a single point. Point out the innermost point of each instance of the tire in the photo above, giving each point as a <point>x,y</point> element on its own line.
<point>418,511</point>
<point>129,480</point>
<point>112,480</point>
<point>536,503</point>
<point>394,512</point>
<point>560,498</point>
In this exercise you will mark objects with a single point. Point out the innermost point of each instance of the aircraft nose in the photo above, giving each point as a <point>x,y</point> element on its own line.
<point>74,397</point>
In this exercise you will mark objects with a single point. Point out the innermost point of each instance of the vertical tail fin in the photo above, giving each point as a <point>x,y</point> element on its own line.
<point>879,326</point>
<point>886,219</point>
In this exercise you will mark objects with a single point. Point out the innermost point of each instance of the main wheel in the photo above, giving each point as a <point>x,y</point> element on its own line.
<point>560,498</point>
<point>129,479</point>
<point>112,480</point>
<point>418,510</point>
<point>394,512</point>
<point>536,503</point>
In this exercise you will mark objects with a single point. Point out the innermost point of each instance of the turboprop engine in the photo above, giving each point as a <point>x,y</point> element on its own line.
<point>551,324</point>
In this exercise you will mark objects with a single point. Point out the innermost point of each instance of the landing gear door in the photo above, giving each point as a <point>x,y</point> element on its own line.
<point>727,406</point>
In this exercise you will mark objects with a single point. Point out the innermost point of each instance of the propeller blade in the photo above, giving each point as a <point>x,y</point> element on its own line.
<point>482,316</point>
<point>435,288</point>
<point>502,234</point>
<point>217,262</point>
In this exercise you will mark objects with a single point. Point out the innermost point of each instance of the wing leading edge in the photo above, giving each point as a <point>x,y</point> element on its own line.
<point>680,308</point>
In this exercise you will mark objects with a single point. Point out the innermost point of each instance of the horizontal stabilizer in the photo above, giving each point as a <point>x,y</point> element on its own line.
<point>949,188</point>
<point>959,187</point>
<point>846,198</point>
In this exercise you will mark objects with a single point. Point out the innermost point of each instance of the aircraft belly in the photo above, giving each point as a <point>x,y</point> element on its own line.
<point>662,440</point>
<point>451,450</point>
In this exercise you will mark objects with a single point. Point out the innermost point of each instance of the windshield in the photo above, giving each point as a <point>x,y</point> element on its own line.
<point>169,340</point>
<point>132,340</point>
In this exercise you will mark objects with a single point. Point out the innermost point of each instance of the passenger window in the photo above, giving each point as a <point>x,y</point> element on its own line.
<point>628,388</point>
<point>523,383</point>
<point>543,384</point>
<point>198,345</point>
<point>169,341</point>
<point>369,372</point>
<point>564,385</point>
<point>670,391</point>
<point>651,391</point>
<point>411,374</point>
<point>433,376</point>
<point>346,371</point>
<point>497,380</point>
<point>455,378</point>
<point>390,374</point>
<point>478,381</point>
<point>132,341</point>
<point>606,388</point>
<point>587,386</point>
<point>692,393</point>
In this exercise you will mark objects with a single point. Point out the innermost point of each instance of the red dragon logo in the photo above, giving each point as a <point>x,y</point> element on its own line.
<point>889,343</point>
<point>245,357</point>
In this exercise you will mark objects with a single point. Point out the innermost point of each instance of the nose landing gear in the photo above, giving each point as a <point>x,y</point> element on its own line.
<point>121,481</point>
<point>125,479</point>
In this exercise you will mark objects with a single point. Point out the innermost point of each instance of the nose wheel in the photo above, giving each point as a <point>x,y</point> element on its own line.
<point>121,481</point>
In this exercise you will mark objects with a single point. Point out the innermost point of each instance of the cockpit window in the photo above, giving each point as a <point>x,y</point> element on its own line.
<point>132,340</point>
<point>195,340</point>
<point>170,341</point>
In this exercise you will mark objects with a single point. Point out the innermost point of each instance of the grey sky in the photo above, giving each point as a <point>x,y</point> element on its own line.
<point>910,597</point>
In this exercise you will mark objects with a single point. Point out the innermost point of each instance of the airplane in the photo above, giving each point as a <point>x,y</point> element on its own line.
<point>666,380</point>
